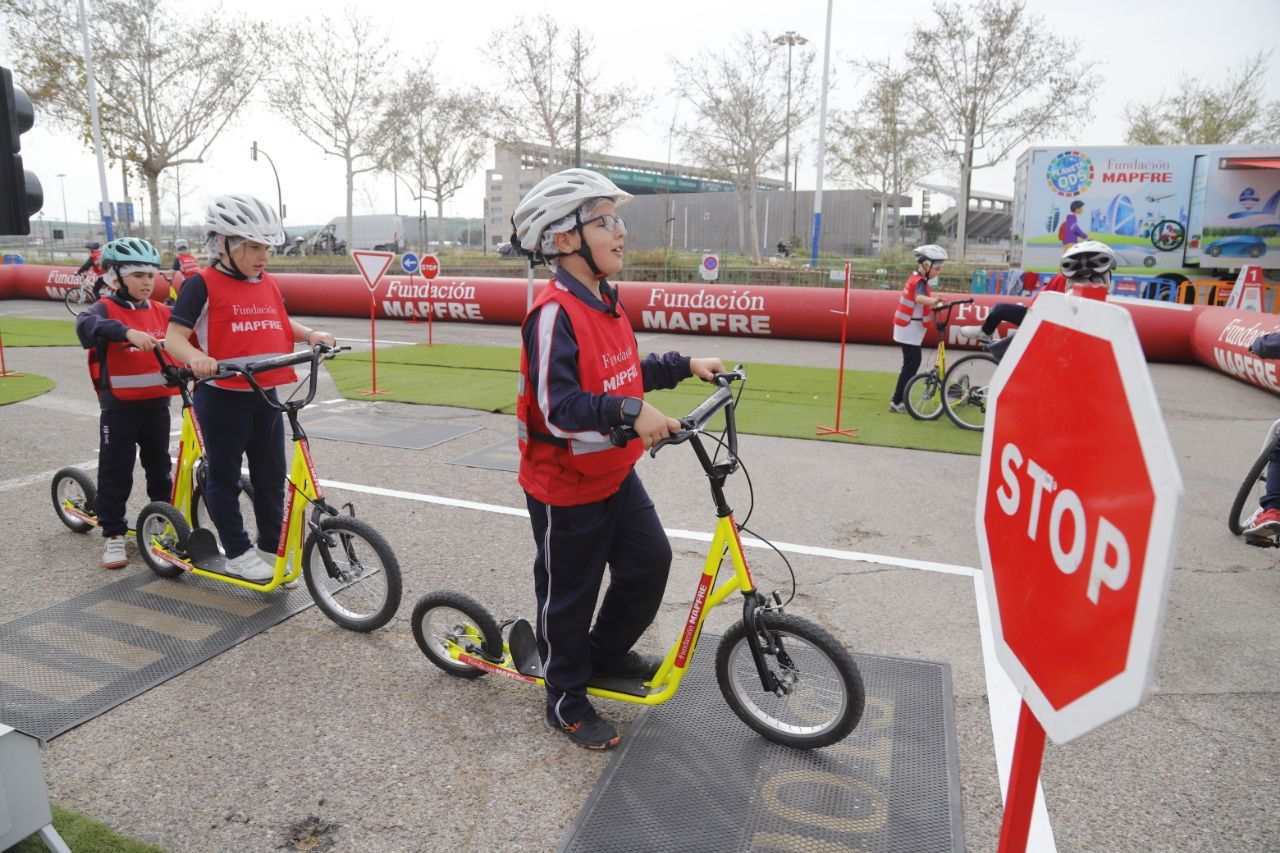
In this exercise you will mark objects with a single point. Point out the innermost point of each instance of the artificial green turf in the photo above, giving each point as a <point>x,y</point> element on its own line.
<point>31,332</point>
<point>84,833</point>
<point>15,389</point>
<point>778,400</point>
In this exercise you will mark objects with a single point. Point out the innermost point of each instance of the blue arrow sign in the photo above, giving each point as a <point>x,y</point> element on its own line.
<point>409,262</point>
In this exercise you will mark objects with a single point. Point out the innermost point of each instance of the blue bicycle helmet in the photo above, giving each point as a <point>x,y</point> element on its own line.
<point>130,252</point>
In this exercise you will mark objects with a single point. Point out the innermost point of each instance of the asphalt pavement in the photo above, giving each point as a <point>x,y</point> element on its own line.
<point>361,732</point>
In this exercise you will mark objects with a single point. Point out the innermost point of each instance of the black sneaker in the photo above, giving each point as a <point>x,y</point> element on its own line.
<point>633,665</point>
<point>591,732</point>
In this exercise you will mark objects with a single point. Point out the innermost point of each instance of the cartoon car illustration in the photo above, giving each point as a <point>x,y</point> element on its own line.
<point>1240,246</point>
<point>1135,256</point>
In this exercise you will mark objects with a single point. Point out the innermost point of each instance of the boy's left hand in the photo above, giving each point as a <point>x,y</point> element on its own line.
<point>705,368</point>
<point>319,337</point>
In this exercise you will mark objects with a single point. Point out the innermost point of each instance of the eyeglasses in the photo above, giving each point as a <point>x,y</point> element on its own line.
<point>612,224</point>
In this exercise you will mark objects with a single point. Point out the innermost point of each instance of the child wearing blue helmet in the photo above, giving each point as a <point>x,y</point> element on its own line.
<point>121,332</point>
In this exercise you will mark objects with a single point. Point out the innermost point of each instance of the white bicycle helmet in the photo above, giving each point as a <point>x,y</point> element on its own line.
<point>930,252</point>
<point>180,245</point>
<point>1088,261</point>
<point>242,215</point>
<point>555,197</point>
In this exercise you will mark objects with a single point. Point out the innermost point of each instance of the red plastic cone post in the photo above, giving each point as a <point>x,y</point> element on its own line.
<point>844,334</point>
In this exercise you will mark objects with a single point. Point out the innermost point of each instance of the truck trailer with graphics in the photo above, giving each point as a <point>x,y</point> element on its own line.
<point>1178,212</point>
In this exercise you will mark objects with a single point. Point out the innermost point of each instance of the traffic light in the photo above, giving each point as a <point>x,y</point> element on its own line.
<point>20,192</point>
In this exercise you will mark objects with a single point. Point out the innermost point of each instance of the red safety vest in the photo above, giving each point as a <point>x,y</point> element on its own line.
<point>131,373</point>
<point>584,468</point>
<point>95,255</point>
<point>188,264</point>
<point>907,304</point>
<point>245,322</point>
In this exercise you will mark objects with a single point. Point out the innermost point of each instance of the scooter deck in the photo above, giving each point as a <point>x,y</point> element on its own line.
<point>523,647</point>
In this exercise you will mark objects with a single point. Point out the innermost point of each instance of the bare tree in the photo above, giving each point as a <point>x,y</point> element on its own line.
<point>168,84</point>
<point>879,146</point>
<point>968,73</point>
<point>330,88</point>
<point>1198,113</point>
<point>739,96</point>
<point>435,137</point>
<point>550,84</point>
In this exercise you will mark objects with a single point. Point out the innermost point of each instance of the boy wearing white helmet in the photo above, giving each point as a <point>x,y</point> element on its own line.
<point>183,260</point>
<point>909,319</point>
<point>234,312</point>
<point>120,331</point>
<point>580,376</point>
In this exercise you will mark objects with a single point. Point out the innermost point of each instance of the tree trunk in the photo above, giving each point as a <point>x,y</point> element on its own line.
<point>153,194</point>
<point>966,179</point>
<point>753,223</point>
<point>742,240</point>
<point>351,189</point>
<point>440,222</point>
<point>884,219</point>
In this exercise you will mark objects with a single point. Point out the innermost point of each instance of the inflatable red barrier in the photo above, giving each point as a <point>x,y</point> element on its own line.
<point>805,313</point>
<point>1221,338</point>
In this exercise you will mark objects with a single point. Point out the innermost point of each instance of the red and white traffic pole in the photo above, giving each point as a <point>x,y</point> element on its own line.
<point>1024,776</point>
<point>844,336</point>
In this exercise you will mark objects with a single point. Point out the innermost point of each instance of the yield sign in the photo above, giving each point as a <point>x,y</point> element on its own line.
<point>372,266</point>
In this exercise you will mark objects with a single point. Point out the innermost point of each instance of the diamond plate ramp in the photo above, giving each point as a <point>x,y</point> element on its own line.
<point>66,664</point>
<point>691,776</point>
<point>381,430</point>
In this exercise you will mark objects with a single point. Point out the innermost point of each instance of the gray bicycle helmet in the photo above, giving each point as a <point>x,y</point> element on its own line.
<point>930,252</point>
<point>1088,261</point>
<point>242,215</point>
<point>555,197</point>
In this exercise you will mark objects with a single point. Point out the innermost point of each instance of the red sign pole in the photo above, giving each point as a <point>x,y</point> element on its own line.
<point>1028,752</point>
<point>430,316</point>
<point>373,347</point>
<point>844,336</point>
<point>4,371</point>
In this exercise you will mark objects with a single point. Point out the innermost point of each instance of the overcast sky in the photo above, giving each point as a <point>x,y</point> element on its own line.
<point>1137,48</point>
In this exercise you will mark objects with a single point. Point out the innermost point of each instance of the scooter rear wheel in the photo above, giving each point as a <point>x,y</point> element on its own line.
<point>72,488</point>
<point>160,525</point>
<point>441,619</point>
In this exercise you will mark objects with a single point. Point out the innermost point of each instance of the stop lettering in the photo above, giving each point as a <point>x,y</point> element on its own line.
<point>430,267</point>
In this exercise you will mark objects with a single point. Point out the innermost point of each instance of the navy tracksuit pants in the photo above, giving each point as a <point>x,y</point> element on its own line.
<point>124,435</point>
<point>236,425</point>
<point>574,545</point>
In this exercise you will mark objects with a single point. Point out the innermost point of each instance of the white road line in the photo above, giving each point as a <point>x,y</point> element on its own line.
<point>380,342</point>
<point>19,482</point>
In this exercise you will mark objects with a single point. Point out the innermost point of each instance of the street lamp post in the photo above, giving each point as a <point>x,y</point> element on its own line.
<point>790,38</point>
<point>253,155</point>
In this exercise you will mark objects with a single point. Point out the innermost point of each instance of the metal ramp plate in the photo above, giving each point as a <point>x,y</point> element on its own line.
<point>502,456</point>
<point>382,430</point>
<point>690,776</point>
<point>66,664</point>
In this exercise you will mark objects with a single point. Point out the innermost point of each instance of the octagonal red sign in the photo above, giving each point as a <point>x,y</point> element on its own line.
<point>1077,510</point>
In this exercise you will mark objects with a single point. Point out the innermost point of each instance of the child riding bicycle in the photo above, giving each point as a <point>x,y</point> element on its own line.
<point>1264,527</point>
<point>909,320</point>
<point>94,263</point>
<point>121,332</point>
<point>234,310</point>
<point>581,376</point>
<point>1009,312</point>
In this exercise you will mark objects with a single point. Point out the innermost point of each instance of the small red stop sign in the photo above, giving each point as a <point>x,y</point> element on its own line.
<point>1077,511</point>
<point>430,267</point>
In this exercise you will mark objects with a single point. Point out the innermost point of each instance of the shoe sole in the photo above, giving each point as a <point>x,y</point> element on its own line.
<point>114,566</point>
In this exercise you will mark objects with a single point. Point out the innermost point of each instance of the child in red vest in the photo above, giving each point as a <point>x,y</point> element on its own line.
<point>581,375</point>
<point>121,332</point>
<point>236,422</point>
<point>911,316</point>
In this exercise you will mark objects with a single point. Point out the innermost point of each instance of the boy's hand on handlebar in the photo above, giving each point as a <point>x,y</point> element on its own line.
<point>141,340</point>
<point>704,369</point>
<point>652,426</point>
<point>203,366</point>
<point>319,337</point>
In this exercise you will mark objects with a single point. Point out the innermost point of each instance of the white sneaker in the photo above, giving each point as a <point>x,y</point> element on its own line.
<point>897,408</point>
<point>973,333</point>
<point>250,567</point>
<point>113,555</point>
<point>269,557</point>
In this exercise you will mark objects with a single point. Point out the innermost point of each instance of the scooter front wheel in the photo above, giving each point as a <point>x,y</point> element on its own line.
<point>819,695</point>
<point>444,619</point>
<point>358,586</point>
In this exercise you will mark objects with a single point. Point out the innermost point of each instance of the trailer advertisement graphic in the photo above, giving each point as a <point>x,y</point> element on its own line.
<point>1070,174</point>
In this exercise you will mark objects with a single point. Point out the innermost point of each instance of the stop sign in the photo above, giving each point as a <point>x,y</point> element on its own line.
<point>1078,502</point>
<point>430,267</point>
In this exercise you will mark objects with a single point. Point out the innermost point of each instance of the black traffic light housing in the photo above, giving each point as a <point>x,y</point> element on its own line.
<point>20,193</point>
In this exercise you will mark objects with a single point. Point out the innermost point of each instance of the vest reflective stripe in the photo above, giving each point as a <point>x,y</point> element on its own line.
<point>132,374</point>
<point>188,264</point>
<point>580,467</point>
<point>246,321</point>
<point>907,305</point>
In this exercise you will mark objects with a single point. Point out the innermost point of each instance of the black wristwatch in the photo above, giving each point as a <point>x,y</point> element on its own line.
<point>631,407</point>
